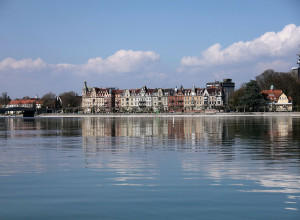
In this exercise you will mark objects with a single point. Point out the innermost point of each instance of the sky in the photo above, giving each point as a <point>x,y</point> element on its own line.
<point>54,46</point>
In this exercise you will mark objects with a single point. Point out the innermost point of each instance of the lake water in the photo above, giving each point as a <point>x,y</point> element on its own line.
<point>150,168</point>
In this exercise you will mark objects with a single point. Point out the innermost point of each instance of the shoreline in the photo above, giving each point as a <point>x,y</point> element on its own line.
<point>155,115</point>
<point>112,115</point>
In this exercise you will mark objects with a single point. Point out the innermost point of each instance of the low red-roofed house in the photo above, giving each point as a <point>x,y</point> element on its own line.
<point>277,100</point>
<point>30,103</point>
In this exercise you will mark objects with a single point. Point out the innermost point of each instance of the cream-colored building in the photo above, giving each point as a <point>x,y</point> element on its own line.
<point>144,100</point>
<point>197,99</point>
<point>277,101</point>
<point>129,100</point>
<point>95,100</point>
<point>284,104</point>
<point>160,100</point>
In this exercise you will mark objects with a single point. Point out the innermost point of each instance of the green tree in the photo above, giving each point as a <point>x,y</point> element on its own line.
<point>4,99</point>
<point>49,100</point>
<point>252,99</point>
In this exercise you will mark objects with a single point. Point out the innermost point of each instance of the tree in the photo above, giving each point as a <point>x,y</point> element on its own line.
<point>49,100</point>
<point>287,82</point>
<point>252,99</point>
<point>234,102</point>
<point>70,100</point>
<point>280,80</point>
<point>26,98</point>
<point>4,99</point>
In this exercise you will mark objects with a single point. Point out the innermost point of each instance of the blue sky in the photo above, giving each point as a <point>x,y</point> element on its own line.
<point>56,45</point>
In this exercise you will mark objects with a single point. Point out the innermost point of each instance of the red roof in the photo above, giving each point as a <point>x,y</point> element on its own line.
<point>118,91</point>
<point>272,94</point>
<point>23,102</point>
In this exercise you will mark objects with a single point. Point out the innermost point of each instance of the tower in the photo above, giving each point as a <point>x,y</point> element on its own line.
<point>295,71</point>
<point>228,87</point>
<point>298,62</point>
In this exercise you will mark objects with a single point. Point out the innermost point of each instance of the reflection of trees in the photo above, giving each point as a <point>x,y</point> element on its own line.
<point>41,127</point>
<point>268,138</point>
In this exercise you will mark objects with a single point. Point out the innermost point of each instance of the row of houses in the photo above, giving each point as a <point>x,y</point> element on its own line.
<point>214,96</point>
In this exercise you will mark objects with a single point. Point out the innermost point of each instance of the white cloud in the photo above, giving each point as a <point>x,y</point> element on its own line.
<point>28,64</point>
<point>123,61</point>
<point>278,65</point>
<point>270,44</point>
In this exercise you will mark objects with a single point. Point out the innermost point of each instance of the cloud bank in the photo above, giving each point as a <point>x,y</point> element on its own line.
<point>24,64</point>
<point>270,44</point>
<point>123,61</point>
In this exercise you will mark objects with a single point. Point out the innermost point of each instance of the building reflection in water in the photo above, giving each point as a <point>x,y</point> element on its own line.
<point>268,136</point>
<point>181,133</point>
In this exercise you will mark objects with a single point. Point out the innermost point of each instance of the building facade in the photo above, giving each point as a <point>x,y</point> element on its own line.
<point>96,100</point>
<point>176,100</point>
<point>277,101</point>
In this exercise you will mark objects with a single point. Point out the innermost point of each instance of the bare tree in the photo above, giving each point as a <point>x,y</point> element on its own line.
<point>49,100</point>
<point>4,99</point>
<point>70,101</point>
<point>286,82</point>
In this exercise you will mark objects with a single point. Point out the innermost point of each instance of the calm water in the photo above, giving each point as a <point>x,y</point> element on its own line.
<point>150,168</point>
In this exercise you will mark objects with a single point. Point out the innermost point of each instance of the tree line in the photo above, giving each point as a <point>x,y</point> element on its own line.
<point>67,101</point>
<point>249,98</point>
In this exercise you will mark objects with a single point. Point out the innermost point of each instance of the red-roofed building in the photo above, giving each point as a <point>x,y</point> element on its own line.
<point>277,100</point>
<point>28,103</point>
<point>176,100</point>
